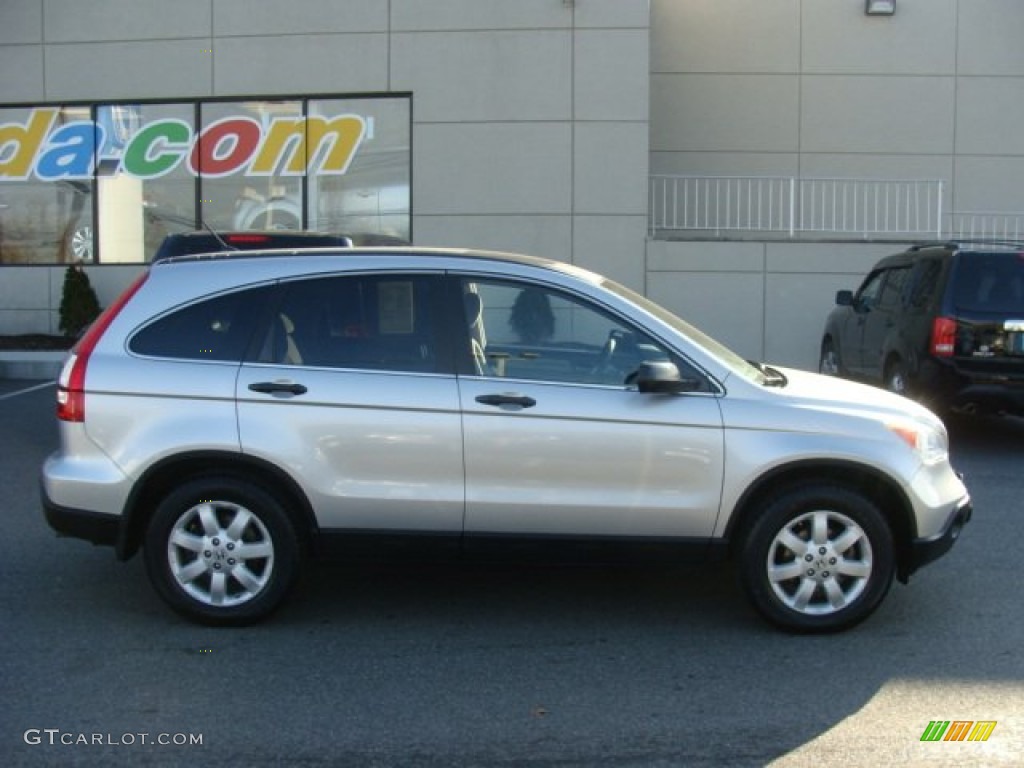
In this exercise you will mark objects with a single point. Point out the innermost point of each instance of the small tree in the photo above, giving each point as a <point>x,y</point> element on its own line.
<point>78,303</point>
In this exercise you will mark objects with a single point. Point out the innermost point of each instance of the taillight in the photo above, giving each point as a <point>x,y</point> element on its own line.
<point>943,337</point>
<point>71,384</point>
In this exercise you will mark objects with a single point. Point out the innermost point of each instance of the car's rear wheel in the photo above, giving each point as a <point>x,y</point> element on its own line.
<point>819,559</point>
<point>221,550</point>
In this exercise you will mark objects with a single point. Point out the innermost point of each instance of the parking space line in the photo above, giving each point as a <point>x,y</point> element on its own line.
<point>27,390</point>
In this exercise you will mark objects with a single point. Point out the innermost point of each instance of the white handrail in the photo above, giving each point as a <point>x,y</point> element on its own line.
<point>862,207</point>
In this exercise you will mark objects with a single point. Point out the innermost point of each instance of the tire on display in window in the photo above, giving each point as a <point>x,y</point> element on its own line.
<point>221,550</point>
<point>820,558</point>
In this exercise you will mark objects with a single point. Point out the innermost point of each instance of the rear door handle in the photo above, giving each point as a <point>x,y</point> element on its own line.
<point>511,399</point>
<point>270,387</point>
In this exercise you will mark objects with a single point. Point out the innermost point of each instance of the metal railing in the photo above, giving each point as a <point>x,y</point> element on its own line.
<point>783,204</point>
<point>987,225</point>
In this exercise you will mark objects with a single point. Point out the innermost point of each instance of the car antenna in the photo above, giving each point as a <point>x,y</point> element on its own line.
<point>217,236</point>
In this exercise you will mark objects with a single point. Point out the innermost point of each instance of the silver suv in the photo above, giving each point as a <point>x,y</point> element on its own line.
<point>233,415</point>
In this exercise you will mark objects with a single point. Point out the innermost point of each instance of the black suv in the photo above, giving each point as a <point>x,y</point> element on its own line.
<point>943,323</point>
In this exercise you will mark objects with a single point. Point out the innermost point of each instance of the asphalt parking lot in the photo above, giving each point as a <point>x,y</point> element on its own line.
<point>452,666</point>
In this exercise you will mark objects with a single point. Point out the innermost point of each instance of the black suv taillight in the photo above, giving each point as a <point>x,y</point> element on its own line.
<point>71,384</point>
<point>943,341</point>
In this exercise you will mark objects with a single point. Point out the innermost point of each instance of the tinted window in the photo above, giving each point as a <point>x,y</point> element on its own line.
<point>215,329</point>
<point>920,287</point>
<point>870,290</point>
<point>522,331</point>
<point>893,287</point>
<point>370,322</point>
<point>990,282</point>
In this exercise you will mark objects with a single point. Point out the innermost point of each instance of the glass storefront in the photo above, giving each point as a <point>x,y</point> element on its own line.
<point>105,183</point>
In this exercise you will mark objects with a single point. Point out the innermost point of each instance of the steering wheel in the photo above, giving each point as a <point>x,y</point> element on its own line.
<point>604,357</point>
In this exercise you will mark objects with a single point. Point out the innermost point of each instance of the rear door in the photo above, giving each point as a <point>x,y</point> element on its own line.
<point>558,446</point>
<point>351,389</point>
<point>988,306</point>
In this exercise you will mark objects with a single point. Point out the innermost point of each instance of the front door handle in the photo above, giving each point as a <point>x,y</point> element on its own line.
<point>510,399</point>
<point>270,387</point>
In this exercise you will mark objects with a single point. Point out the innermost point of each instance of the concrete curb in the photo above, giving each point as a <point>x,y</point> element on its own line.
<point>31,365</point>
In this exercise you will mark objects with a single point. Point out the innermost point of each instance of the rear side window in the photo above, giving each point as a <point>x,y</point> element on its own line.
<point>369,322</point>
<point>920,288</point>
<point>218,328</point>
<point>990,282</point>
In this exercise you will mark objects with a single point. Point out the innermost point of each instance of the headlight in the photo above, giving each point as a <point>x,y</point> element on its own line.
<point>930,443</point>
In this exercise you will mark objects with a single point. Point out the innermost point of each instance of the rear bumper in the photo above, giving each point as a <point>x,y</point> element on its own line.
<point>924,551</point>
<point>80,523</point>
<point>954,387</point>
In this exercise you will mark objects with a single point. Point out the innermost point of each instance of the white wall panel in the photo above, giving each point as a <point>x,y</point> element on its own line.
<point>154,69</point>
<point>537,235</point>
<point>21,73</point>
<point>492,168</point>
<point>77,21</point>
<point>610,168</point>
<point>904,115</point>
<point>21,22</point>
<point>738,36</point>
<point>611,80</point>
<point>612,246</point>
<point>448,15</point>
<point>919,39</point>
<point>301,64</point>
<point>272,17</point>
<point>990,115</point>
<point>989,37</point>
<point>738,113</point>
<point>485,76</point>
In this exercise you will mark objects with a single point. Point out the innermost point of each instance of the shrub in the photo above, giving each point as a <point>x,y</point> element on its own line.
<point>78,303</point>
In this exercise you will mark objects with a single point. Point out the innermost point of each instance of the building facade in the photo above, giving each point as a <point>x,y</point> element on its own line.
<point>737,160</point>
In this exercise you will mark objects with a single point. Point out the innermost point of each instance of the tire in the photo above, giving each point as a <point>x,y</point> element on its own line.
<point>896,377</point>
<point>829,363</point>
<point>819,559</point>
<point>221,551</point>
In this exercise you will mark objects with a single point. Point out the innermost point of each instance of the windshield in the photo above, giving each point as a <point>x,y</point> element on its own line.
<point>990,282</point>
<point>722,353</point>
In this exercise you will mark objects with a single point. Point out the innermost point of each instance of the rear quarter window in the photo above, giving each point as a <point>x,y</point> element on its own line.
<point>217,328</point>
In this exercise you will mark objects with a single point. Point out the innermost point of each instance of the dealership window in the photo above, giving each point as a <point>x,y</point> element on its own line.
<point>107,182</point>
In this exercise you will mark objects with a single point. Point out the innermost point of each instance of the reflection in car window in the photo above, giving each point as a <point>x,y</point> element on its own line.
<point>893,287</point>
<point>920,288</point>
<point>868,294</point>
<point>990,282</point>
<point>371,322</point>
<point>216,329</point>
<point>521,331</point>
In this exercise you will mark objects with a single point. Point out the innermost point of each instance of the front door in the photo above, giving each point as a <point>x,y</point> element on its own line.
<point>558,445</point>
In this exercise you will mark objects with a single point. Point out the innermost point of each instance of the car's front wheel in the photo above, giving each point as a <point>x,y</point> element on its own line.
<point>828,363</point>
<point>221,550</point>
<point>819,558</point>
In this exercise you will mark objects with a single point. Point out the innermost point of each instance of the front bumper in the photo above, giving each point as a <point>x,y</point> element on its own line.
<point>924,551</point>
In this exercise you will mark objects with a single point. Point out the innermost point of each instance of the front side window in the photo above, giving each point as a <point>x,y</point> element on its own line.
<point>526,331</point>
<point>367,322</point>
<point>868,295</point>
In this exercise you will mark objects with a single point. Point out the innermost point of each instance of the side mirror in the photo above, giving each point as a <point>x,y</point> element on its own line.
<point>663,377</point>
<point>844,298</point>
